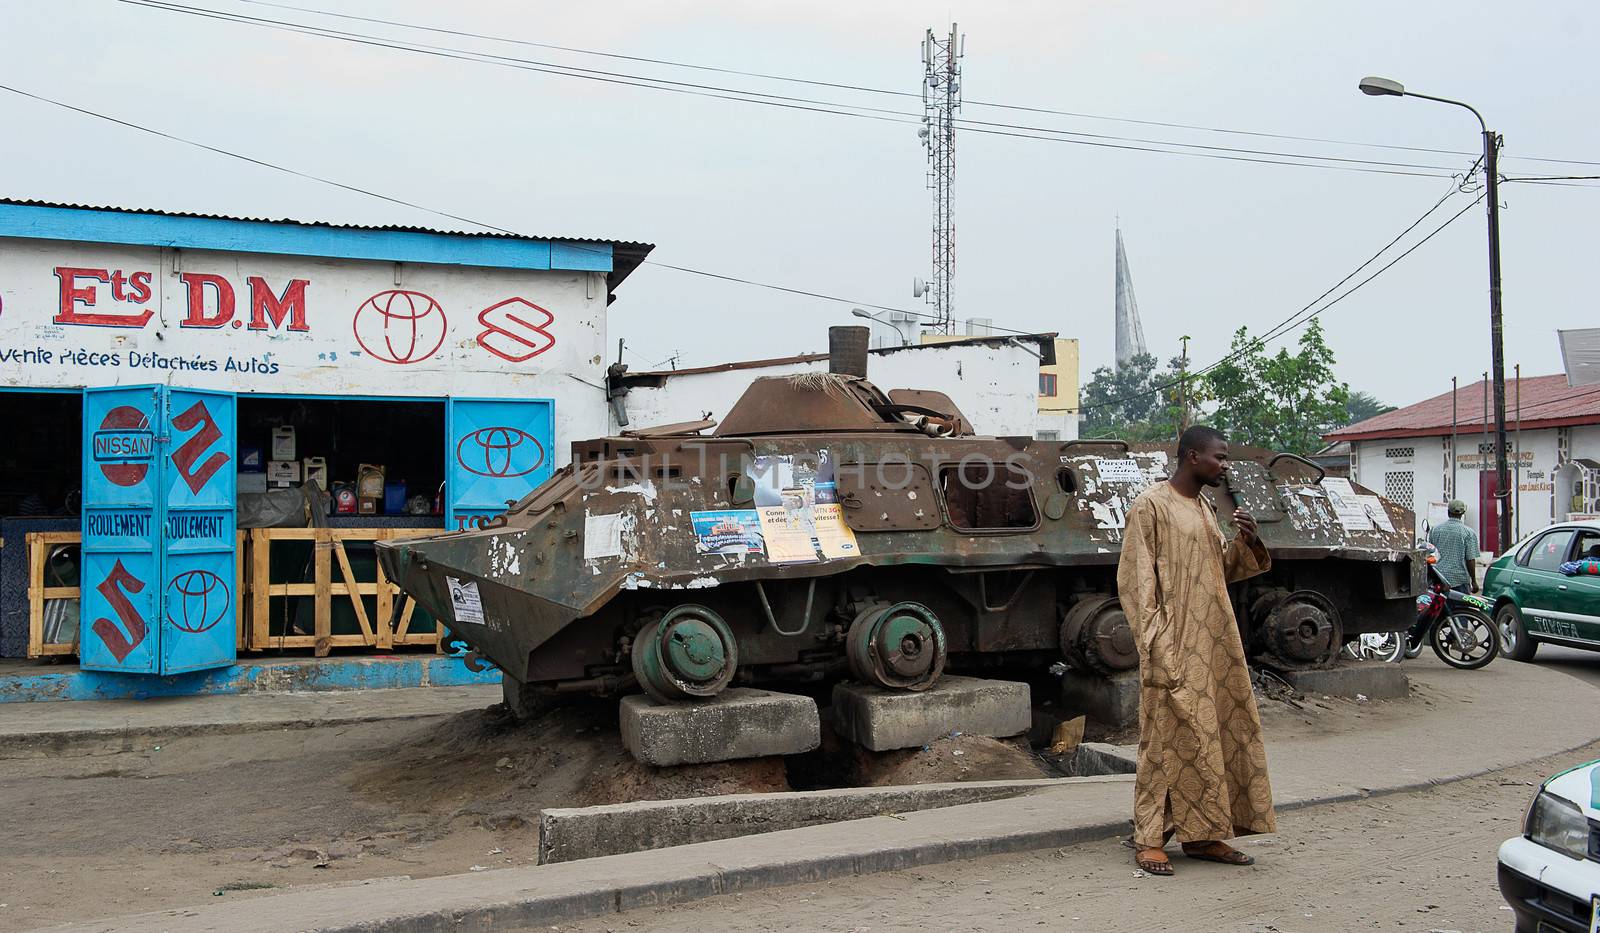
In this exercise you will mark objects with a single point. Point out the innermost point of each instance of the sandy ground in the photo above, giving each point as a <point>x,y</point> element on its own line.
<point>201,817</point>
<point>1422,862</point>
<point>205,816</point>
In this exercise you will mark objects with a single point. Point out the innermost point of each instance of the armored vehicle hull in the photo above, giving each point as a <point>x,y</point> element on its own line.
<point>827,529</point>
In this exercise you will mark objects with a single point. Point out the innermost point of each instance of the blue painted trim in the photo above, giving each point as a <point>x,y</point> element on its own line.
<point>53,390</point>
<point>291,239</point>
<point>327,674</point>
<point>348,398</point>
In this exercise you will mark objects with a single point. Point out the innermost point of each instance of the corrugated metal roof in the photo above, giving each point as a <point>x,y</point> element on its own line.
<point>1547,401</point>
<point>402,228</point>
<point>1046,343</point>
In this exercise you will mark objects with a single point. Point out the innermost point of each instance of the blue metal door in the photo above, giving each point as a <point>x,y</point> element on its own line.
<point>199,474</point>
<point>121,562</point>
<point>495,450</point>
<point>159,586</point>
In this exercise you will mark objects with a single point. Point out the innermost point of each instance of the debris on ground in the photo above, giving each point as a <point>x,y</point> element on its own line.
<point>1068,736</point>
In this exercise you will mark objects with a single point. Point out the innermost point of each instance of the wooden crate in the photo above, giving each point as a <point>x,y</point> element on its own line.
<point>40,543</point>
<point>329,553</point>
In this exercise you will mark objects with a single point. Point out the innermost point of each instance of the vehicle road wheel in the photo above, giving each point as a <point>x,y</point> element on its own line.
<point>688,655</point>
<point>1514,640</point>
<point>898,647</point>
<point>1466,639</point>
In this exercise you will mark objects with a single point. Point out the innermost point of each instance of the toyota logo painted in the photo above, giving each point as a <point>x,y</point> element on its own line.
<point>499,452</point>
<point>399,326</point>
<point>196,601</point>
<point>124,445</point>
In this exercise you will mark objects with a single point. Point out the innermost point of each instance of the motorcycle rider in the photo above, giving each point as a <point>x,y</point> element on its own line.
<point>1458,549</point>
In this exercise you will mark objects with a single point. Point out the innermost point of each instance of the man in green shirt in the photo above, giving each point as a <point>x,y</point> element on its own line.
<point>1458,550</point>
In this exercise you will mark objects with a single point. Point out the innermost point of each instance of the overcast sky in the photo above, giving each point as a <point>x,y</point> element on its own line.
<point>839,205</point>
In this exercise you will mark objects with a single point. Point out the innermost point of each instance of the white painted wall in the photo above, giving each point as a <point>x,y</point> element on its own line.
<point>996,387</point>
<point>693,396</point>
<point>49,339</point>
<point>1065,426</point>
<point>1539,503</point>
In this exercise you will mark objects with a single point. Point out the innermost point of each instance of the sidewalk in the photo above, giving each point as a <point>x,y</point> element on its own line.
<point>28,729</point>
<point>1480,721</point>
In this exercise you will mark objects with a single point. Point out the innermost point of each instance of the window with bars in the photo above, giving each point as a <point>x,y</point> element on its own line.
<point>1401,487</point>
<point>1399,453</point>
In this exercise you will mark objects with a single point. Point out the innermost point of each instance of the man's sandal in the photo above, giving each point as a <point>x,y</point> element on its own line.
<point>1152,866</point>
<point>1219,852</point>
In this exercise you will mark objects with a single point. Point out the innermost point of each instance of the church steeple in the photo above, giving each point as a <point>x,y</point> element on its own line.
<point>1130,332</point>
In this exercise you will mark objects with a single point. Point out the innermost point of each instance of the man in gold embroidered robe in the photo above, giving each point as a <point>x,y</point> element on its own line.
<point>1202,771</point>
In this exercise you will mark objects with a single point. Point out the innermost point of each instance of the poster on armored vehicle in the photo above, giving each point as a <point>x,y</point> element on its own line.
<point>801,519</point>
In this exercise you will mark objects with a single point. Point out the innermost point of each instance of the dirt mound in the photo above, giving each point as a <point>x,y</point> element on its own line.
<point>950,759</point>
<point>491,769</point>
<point>488,769</point>
<point>629,780</point>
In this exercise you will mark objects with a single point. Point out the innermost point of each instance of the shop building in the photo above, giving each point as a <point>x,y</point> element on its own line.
<point>1426,454</point>
<point>169,378</point>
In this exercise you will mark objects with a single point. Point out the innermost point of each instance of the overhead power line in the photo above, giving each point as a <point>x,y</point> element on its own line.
<point>789,102</point>
<point>368,192</point>
<point>835,85</point>
<point>1283,327</point>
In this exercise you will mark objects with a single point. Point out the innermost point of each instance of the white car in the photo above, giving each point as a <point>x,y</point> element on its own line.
<point>1550,875</point>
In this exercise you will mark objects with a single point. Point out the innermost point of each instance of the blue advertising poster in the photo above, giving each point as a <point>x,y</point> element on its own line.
<point>727,531</point>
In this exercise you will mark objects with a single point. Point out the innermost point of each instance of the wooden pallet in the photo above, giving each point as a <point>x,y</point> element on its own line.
<point>39,544</point>
<point>329,552</point>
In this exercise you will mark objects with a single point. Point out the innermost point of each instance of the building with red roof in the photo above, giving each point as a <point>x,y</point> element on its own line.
<point>1442,448</point>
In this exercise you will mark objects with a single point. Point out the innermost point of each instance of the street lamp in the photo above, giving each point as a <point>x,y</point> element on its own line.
<point>858,312</point>
<point>1385,87</point>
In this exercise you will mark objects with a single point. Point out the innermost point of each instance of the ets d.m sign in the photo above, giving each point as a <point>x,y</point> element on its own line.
<point>86,314</point>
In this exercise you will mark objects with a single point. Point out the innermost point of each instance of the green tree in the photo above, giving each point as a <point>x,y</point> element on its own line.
<point>1285,401</point>
<point>1137,401</point>
<point>1363,405</point>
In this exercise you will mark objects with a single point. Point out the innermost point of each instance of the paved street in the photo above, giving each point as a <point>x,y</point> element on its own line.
<point>1581,664</point>
<point>1420,862</point>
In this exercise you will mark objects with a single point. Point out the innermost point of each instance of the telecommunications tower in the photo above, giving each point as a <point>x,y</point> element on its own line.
<point>941,98</point>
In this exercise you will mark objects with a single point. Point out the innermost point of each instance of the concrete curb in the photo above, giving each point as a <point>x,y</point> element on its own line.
<point>39,730</point>
<point>570,833</point>
<point>1458,741</point>
<point>247,677</point>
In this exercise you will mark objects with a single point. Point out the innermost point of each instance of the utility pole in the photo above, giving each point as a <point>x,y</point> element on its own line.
<point>1183,370</point>
<point>1491,165</point>
<point>1455,445</point>
<point>1483,459</point>
<point>1516,509</point>
<point>1386,87</point>
<point>941,98</point>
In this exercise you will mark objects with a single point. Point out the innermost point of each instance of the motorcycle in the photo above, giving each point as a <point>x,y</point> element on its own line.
<point>1376,646</point>
<point>1458,625</point>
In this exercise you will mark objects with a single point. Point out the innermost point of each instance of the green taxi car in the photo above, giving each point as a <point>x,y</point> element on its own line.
<point>1534,602</point>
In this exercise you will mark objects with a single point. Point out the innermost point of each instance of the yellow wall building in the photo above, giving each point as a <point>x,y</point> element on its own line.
<point>1058,388</point>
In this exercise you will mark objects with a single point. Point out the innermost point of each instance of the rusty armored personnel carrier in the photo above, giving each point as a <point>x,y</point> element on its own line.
<point>828,529</point>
